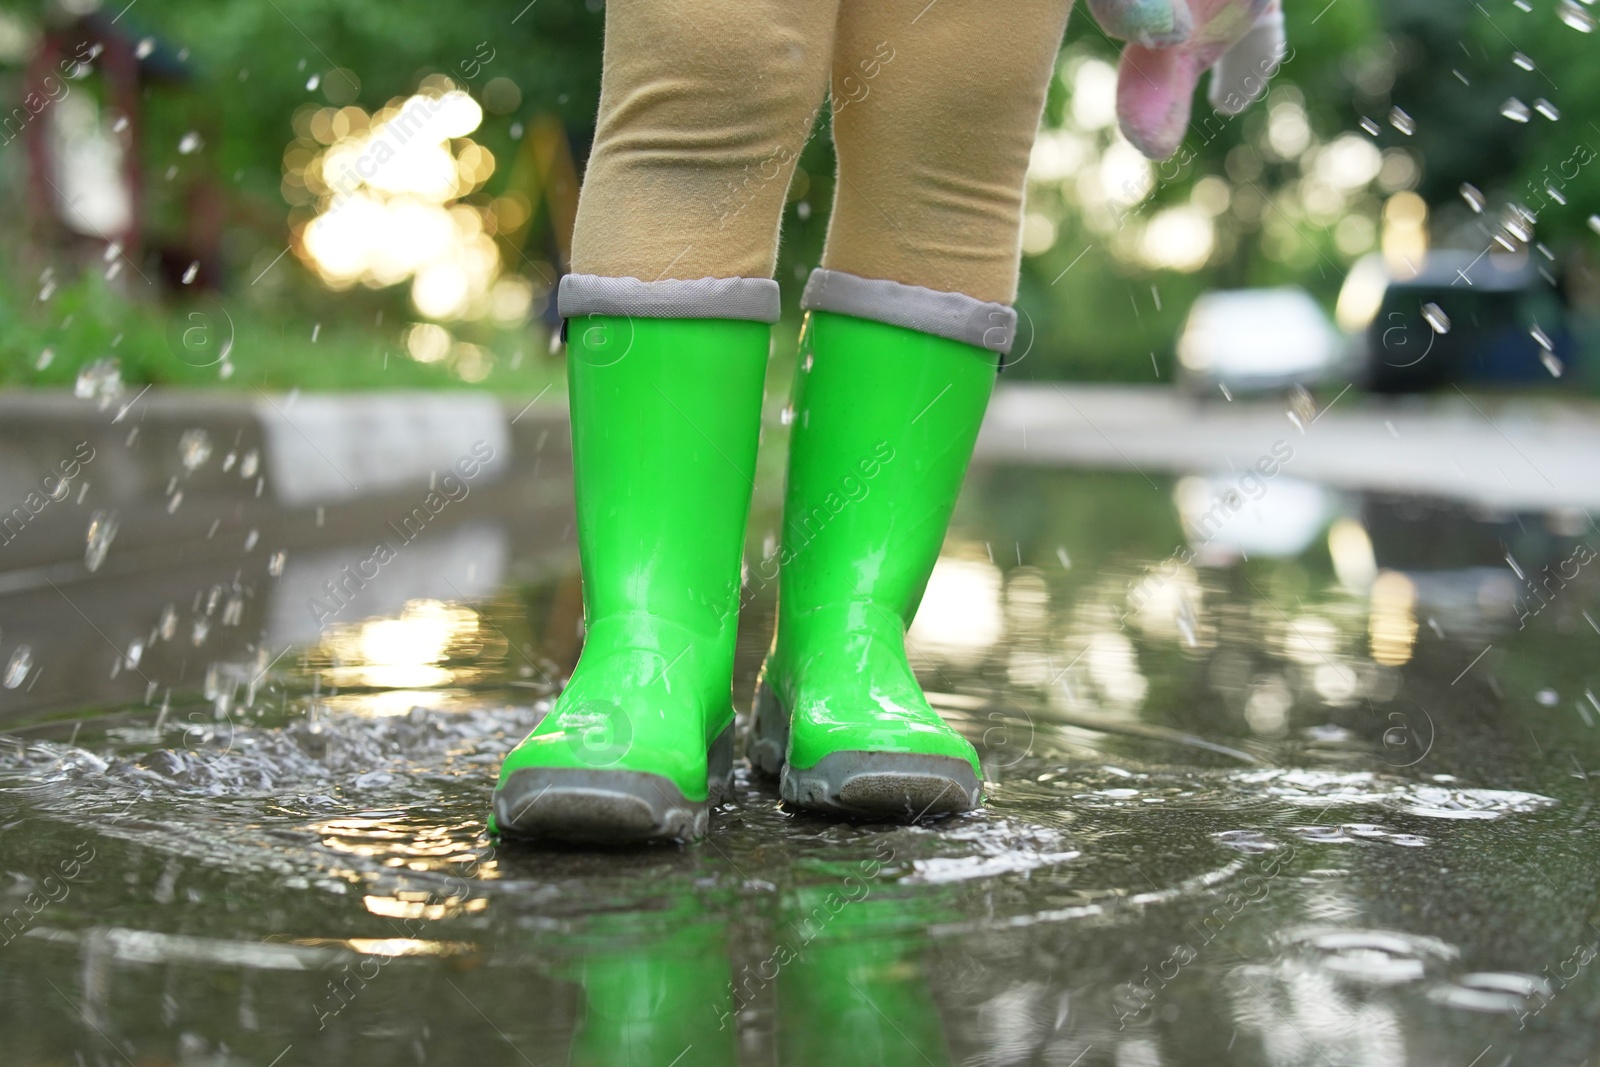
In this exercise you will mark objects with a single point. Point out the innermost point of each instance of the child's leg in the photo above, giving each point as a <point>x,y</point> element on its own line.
<point>704,106</point>
<point>937,109</point>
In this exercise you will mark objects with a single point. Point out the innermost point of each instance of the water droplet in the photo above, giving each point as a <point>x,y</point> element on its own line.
<point>275,564</point>
<point>191,272</point>
<point>45,359</point>
<point>1576,17</point>
<point>1435,317</point>
<point>1516,110</point>
<point>1302,404</point>
<point>1522,61</point>
<point>18,667</point>
<point>194,448</point>
<point>100,381</point>
<point>189,144</point>
<point>1547,109</point>
<point>1402,122</point>
<point>145,46</point>
<point>97,539</point>
<point>312,82</point>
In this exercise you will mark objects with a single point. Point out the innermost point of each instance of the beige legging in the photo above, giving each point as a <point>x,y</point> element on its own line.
<point>706,104</point>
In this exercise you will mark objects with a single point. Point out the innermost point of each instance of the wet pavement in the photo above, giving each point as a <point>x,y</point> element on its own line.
<point>1283,768</point>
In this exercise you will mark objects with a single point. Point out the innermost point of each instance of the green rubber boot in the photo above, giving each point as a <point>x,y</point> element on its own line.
<point>666,414</point>
<point>885,419</point>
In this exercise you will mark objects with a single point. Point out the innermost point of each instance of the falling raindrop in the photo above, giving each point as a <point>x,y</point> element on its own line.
<point>1547,109</point>
<point>806,366</point>
<point>1555,194</point>
<point>100,381</point>
<point>167,626</point>
<point>275,564</point>
<point>1302,406</point>
<point>1551,363</point>
<point>1371,127</point>
<point>191,272</point>
<point>1515,110</point>
<point>1435,317</point>
<point>225,370</point>
<point>316,329</point>
<point>1402,122</point>
<point>189,144</point>
<point>174,501</point>
<point>145,46</point>
<point>119,124</point>
<point>17,669</point>
<point>250,540</point>
<point>1225,393</point>
<point>1576,17</point>
<point>1594,223</point>
<point>248,465</point>
<point>135,654</point>
<point>516,131</point>
<point>97,540</point>
<point>1474,197</point>
<point>786,416</point>
<point>45,359</point>
<point>1522,61</point>
<point>194,448</point>
<point>312,82</point>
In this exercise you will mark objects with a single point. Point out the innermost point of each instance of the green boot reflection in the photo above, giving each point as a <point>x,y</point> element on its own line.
<point>654,999</point>
<point>855,993</point>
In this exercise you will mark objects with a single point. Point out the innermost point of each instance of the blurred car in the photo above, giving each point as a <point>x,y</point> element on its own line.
<point>1258,340</point>
<point>1460,319</point>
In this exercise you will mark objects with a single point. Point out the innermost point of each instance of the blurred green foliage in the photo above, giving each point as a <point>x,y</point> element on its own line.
<point>1090,311</point>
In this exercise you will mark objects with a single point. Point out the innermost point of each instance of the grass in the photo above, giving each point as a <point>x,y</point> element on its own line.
<point>338,345</point>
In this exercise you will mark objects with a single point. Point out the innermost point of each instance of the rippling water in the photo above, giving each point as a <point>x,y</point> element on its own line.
<point>1290,802</point>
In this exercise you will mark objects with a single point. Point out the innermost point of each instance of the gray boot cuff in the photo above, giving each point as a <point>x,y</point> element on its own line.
<point>954,315</point>
<point>703,298</point>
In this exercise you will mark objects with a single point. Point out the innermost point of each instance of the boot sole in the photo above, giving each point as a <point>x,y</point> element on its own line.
<point>895,785</point>
<point>607,807</point>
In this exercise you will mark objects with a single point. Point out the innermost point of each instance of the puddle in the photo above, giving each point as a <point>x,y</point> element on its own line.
<point>1246,811</point>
